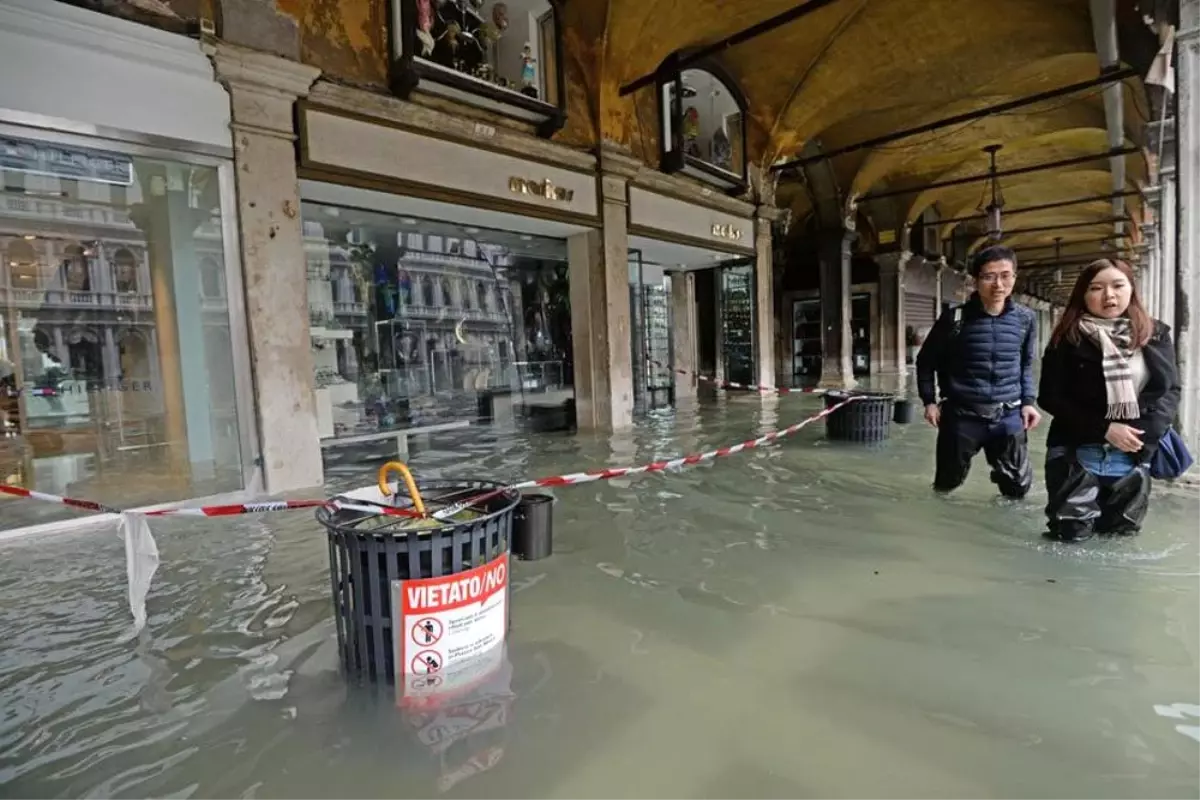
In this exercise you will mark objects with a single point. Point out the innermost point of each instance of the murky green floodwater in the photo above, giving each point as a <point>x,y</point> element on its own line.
<point>803,620</point>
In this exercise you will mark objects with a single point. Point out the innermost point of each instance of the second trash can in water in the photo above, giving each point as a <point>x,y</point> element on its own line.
<point>867,419</point>
<point>533,527</point>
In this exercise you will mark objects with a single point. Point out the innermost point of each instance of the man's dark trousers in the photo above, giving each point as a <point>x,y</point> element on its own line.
<point>1000,431</point>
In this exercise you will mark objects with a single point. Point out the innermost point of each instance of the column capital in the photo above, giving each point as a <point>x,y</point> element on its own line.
<point>262,71</point>
<point>262,87</point>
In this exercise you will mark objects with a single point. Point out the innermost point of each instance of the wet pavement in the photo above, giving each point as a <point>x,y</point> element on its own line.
<point>806,619</point>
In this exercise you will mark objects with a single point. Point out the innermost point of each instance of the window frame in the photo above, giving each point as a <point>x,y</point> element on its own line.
<point>672,158</point>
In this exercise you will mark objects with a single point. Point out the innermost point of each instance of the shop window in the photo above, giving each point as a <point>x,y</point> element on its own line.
<point>703,126</point>
<point>388,370</point>
<point>120,401</point>
<point>503,56</point>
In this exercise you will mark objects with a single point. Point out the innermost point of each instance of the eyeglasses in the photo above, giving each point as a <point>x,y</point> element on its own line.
<point>997,277</point>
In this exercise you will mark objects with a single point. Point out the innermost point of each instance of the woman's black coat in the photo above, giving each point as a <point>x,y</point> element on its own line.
<point>1073,391</point>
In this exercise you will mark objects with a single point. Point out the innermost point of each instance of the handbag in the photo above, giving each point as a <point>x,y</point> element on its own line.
<point>1172,458</point>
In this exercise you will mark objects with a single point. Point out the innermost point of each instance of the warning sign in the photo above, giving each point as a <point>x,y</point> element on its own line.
<point>450,620</point>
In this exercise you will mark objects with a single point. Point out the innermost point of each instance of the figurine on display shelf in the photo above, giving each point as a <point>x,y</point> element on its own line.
<point>528,72</point>
<point>425,26</point>
<point>722,150</point>
<point>691,131</point>
<point>500,16</point>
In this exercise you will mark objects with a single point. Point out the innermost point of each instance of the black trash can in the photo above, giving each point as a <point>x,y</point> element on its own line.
<point>867,419</point>
<point>533,527</point>
<point>485,405</point>
<point>368,551</point>
<point>903,414</point>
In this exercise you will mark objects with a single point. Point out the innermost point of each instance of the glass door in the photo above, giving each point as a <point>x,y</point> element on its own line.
<point>650,317</point>
<point>737,322</point>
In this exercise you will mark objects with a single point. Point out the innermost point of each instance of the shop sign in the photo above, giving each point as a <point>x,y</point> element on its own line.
<point>442,625</point>
<point>72,163</point>
<point>544,189</point>
<point>728,232</point>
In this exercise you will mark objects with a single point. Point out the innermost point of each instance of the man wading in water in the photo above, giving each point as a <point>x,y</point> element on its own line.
<point>981,355</point>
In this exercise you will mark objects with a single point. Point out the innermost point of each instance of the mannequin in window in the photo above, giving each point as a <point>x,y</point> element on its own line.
<point>691,131</point>
<point>722,150</point>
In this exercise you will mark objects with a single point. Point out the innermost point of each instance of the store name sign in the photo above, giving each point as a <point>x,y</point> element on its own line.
<point>728,232</point>
<point>72,163</point>
<point>538,188</point>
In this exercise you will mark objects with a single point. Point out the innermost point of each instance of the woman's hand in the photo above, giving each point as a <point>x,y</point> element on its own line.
<point>1124,437</point>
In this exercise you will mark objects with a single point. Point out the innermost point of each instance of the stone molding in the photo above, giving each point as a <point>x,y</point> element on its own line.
<point>423,119</point>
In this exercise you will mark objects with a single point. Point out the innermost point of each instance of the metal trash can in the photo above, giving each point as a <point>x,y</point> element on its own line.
<point>369,551</point>
<point>533,527</point>
<point>868,419</point>
<point>903,413</point>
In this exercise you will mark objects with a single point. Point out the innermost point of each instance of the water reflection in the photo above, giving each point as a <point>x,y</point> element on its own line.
<point>763,625</point>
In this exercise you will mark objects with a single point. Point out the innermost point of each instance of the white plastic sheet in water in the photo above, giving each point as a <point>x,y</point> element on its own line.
<point>141,562</point>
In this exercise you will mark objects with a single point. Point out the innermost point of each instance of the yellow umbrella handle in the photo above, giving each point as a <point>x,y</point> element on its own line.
<point>386,489</point>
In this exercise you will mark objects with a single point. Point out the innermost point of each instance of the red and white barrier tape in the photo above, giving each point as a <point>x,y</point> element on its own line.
<point>572,479</point>
<point>739,386</point>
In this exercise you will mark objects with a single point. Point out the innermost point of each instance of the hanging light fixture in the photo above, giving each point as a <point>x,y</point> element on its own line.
<point>1058,258</point>
<point>993,198</point>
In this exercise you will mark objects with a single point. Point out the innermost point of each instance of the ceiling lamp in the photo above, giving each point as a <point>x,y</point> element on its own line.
<point>1058,259</point>
<point>993,198</point>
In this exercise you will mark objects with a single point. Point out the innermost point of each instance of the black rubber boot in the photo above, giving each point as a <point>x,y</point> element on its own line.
<point>1124,503</point>
<point>1073,508</point>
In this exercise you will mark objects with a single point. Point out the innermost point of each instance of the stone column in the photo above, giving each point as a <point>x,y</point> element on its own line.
<point>837,366</point>
<point>598,269</point>
<point>684,349</point>
<point>764,297</point>
<point>263,90</point>
<point>892,350</point>
<point>1188,224</point>
<point>938,297</point>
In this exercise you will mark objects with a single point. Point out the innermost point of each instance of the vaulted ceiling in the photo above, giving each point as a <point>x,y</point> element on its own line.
<point>857,69</point>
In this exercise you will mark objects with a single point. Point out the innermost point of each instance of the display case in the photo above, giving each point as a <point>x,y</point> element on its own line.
<point>806,341</point>
<point>503,56</point>
<point>737,323</point>
<point>702,115</point>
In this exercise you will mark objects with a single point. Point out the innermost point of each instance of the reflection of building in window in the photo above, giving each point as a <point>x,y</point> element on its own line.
<point>447,295</point>
<point>87,360</point>
<point>134,354</point>
<point>211,279</point>
<point>76,269</point>
<point>125,270</point>
<point>23,267</point>
<point>481,291</point>
<point>427,291</point>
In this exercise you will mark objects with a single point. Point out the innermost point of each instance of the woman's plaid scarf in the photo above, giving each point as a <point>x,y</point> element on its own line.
<point>1114,337</point>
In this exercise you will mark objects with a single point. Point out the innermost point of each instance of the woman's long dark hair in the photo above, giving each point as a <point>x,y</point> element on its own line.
<point>1067,328</point>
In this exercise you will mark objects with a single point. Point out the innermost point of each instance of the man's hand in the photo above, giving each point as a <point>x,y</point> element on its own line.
<point>1031,417</point>
<point>1125,438</point>
<point>933,414</point>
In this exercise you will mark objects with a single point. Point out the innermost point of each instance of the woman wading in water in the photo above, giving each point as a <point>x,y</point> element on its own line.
<point>1109,380</point>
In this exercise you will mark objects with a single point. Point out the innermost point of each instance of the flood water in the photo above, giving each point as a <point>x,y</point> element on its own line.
<point>804,620</point>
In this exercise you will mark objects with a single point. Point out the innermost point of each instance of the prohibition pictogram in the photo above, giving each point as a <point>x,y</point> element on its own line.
<point>427,632</point>
<point>426,662</point>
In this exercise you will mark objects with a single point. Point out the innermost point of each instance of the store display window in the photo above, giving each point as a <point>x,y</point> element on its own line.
<point>503,55</point>
<point>413,319</point>
<point>703,126</point>
<point>117,376</point>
